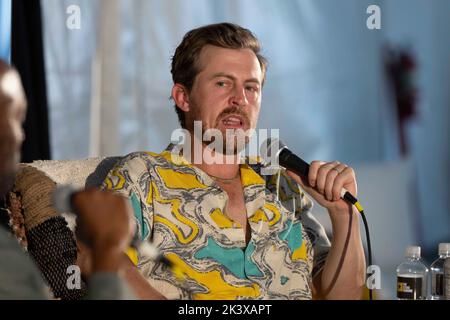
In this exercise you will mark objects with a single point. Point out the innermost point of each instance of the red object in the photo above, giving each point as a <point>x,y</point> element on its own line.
<point>401,67</point>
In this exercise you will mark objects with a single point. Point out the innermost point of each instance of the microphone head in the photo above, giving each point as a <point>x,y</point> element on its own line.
<point>62,198</point>
<point>270,150</point>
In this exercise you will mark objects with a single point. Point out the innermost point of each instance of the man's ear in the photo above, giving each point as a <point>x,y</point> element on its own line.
<point>181,97</point>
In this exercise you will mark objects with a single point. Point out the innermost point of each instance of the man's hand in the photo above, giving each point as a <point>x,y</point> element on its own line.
<point>105,221</point>
<point>325,182</point>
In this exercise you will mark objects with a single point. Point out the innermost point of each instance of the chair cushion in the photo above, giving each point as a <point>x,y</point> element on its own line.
<point>47,235</point>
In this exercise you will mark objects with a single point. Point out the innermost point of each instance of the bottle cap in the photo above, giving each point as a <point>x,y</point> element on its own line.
<point>444,248</point>
<point>412,252</point>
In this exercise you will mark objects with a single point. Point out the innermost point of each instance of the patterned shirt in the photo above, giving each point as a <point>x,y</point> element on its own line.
<point>181,210</point>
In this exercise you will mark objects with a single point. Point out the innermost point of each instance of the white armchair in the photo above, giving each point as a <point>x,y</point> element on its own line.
<point>46,235</point>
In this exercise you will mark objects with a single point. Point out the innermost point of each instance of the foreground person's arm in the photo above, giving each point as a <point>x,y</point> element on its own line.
<point>105,222</point>
<point>141,288</point>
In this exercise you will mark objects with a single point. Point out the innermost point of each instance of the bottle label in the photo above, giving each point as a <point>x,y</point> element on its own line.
<point>409,288</point>
<point>447,279</point>
<point>438,288</point>
<point>447,286</point>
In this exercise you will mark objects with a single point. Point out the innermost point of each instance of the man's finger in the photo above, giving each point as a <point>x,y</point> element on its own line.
<point>332,175</point>
<point>322,175</point>
<point>313,169</point>
<point>346,176</point>
<point>304,183</point>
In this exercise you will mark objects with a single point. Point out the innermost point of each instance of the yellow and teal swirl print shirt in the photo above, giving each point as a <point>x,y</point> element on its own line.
<point>180,209</point>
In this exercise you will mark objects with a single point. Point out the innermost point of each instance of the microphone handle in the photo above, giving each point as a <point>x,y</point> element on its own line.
<point>297,165</point>
<point>294,163</point>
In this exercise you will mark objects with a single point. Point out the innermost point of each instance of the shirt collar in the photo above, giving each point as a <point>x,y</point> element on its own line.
<point>253,184</point>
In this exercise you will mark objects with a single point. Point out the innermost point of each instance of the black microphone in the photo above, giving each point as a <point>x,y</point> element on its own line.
<point>273,151</point>
<point>63,203</point>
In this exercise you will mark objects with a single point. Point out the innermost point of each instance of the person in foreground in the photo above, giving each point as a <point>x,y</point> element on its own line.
<point>19,277</point>
<point>235,233</point>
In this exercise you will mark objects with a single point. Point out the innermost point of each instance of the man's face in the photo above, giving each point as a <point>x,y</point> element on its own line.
<point>226,94</point>
<point>12,115</point>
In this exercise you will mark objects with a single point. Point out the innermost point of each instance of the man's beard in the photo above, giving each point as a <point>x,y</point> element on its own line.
<point>237,138</point>
<point>234,141</point>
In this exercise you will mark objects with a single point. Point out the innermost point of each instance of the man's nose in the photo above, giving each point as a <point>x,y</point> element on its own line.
<point>239,97</point>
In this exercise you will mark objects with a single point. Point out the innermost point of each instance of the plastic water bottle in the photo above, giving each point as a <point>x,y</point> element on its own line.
<point>437,272</point>
<point>412,276</point>
<point>447,279</point>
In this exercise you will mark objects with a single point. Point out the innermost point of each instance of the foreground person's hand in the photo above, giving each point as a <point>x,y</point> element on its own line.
<point>105,222</point>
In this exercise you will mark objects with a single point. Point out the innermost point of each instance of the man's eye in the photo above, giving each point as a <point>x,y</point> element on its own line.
<point>220,84</point>
<point>252,89</point>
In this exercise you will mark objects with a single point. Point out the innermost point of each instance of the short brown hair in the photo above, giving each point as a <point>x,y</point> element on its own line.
<point>224,35</point>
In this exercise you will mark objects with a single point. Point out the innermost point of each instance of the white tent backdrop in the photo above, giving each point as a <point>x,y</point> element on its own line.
<point>324,74</point>
<point>109,85</point>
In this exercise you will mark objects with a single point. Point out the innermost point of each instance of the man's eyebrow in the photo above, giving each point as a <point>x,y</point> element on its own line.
<point>231,77</point>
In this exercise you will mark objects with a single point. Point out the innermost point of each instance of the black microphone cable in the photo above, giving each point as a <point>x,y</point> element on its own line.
<point>350,198</point>
<point>286,158</point>
<point>369,247</point>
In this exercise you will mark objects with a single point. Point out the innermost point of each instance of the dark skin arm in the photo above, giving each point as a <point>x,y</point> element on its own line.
<point>104,244</point>
<point>140,285</point>
<point>106,241</point>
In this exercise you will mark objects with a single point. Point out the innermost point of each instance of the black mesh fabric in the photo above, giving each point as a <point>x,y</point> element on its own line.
<point>53,248</point>
<point>4,216</point>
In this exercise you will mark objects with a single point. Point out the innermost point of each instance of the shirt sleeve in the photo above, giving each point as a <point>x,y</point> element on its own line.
<point>19,277</point>
<point>130,177</point>
<point>108,286</point>
<point>295,199</point>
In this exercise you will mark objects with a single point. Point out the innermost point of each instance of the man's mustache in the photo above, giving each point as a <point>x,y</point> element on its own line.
<point>233,111</point>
